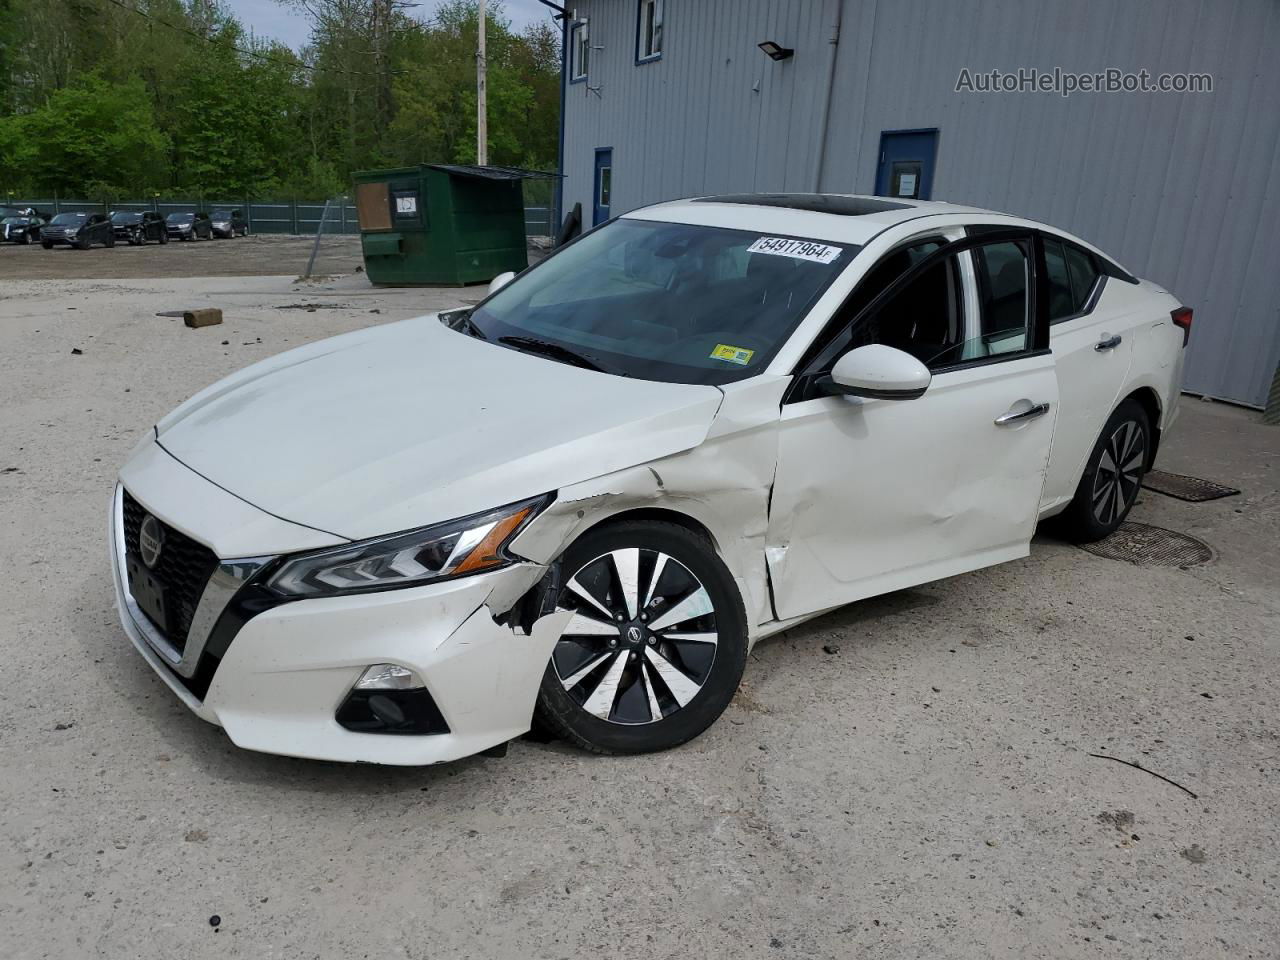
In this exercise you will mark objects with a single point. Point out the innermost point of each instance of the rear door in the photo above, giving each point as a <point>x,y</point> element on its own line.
<point>875,495</point>
<point>1093,348</point>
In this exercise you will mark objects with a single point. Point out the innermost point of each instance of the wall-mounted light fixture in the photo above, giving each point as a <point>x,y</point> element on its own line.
<point>776,51</point>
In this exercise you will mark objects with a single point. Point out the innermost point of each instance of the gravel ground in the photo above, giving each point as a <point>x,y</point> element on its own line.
<point>907,777</point>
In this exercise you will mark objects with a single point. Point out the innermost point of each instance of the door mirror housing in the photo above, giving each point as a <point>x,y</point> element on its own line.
<point>878,372</point>
<point>500,281</point>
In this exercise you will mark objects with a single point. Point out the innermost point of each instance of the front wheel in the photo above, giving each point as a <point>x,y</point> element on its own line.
<point>47,244</point>
<point>657,642</point>
<point>1112,476</point>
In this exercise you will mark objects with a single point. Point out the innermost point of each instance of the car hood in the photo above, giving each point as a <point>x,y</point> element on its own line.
<point>412,423</point>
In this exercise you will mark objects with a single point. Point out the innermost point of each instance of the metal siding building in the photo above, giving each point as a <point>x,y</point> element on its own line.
<point>1182,188</point>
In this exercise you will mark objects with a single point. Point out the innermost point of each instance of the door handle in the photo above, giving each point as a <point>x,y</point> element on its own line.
<point>1020,416</point>
<point>1110,343</point>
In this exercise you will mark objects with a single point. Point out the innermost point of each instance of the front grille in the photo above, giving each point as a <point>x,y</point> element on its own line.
<point>183,569</point>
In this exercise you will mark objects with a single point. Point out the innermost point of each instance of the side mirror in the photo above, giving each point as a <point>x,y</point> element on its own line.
<point>500,281</point>
<point>878,372</point>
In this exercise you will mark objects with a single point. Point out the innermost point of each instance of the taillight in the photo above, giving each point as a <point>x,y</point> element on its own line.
<point>1182,318</point>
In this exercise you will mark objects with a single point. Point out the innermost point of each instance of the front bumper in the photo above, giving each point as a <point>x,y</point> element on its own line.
<point>288,669</point>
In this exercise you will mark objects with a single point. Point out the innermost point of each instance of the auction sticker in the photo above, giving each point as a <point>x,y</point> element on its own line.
<point>798,249</point>
<point>738,355</point>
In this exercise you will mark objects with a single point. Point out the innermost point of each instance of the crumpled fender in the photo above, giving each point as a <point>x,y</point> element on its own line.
<point>723,485</point>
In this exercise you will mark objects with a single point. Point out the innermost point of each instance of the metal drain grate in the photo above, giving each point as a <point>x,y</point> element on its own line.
<point>1149,546</point>
<point>1192,489</point>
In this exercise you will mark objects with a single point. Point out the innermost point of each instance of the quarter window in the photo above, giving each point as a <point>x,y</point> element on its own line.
<point>580,52</point>
<point>649,32</point>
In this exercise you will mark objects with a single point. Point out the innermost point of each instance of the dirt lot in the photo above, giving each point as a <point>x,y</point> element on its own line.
<point>251,256</point>
<point>907,777</point>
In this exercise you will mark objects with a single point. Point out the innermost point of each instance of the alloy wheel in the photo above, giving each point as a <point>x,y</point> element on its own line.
<point>642,640</point>
<point>1119,474</point>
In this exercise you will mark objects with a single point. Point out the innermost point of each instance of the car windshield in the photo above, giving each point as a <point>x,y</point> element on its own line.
<point>70,218</point>
<point>674,302</point>
<point>180,217</point>
<point>222,214</point>
<point>125,216</point>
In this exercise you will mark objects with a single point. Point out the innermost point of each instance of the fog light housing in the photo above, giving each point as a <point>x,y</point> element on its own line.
<point>388,676</point>
<point>389,698</point>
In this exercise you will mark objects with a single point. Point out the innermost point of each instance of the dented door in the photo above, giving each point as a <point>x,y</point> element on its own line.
<point>876,495</point>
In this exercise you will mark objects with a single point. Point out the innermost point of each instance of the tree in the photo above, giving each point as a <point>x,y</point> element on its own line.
<point>91,137</point>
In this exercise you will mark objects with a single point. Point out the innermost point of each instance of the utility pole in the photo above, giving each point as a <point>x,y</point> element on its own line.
<point>482,104</point>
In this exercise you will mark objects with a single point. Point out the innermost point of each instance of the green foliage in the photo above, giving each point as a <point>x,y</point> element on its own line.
<point>97,99</point>
<point>90,136</point>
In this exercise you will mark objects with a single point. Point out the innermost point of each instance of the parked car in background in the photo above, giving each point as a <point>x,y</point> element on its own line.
<point>228,223</point>
<point>21,226</point>
<point>137,227</point>
<point>81,230</point>
<point>188,226</point>
<point>696,426</point>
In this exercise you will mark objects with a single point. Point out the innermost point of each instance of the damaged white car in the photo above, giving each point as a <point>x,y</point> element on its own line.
<point>586,497</point>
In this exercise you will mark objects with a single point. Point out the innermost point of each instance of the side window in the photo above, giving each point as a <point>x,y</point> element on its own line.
<point>925,318</point>
<point>1084,274</point>
<point>888,269</point>
<point>1073,273</point>
<point>579,52</point>
<point>1004,296</point>
<point>649,31</point>
<point>1061,303</point>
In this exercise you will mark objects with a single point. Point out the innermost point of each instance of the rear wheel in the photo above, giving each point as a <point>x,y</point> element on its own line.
<point>1112,477</point>
<point>656,646</point>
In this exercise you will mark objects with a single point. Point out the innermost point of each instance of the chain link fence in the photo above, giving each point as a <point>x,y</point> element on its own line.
<point>297,217</point>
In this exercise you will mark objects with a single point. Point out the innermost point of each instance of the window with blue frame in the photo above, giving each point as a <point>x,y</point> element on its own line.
<point>579,52</point>
<point>648,31</point>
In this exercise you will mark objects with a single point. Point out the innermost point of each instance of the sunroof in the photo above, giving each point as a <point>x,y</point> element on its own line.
<point>813,202</point>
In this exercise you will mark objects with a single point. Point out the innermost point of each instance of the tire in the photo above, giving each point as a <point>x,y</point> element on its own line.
<point>608,679</point>
<point>85,244</point>
<point>164,237</point>
<point>47,244</point>
<point>1105,496</point>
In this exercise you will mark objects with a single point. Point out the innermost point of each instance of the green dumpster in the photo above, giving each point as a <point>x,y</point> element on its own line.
<point>440,223</point>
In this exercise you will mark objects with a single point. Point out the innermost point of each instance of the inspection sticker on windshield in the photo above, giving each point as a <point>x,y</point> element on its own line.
<point>738,355</point>
<point>799,249</point>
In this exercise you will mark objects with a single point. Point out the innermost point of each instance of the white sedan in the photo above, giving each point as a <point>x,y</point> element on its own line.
<point>580,502</point>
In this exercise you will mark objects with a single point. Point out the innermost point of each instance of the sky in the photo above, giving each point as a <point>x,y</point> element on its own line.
<point>267,18</point>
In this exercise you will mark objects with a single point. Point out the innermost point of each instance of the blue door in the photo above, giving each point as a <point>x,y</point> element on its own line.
<point>906,164</point>
<point>603,185</point>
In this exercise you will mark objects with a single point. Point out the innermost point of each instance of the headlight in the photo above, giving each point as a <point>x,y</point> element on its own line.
<point>455,549</point>
<point>72,232</point>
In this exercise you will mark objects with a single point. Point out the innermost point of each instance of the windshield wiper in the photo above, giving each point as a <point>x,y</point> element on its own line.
<point>460,320</point>
<point>553,351</point>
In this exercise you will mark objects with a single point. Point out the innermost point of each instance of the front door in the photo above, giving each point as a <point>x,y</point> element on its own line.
<point>906,162</point>
<point>603,186</point>
<point>873,495</point>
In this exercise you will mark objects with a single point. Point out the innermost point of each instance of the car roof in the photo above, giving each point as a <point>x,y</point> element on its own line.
<point>844,218</point>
